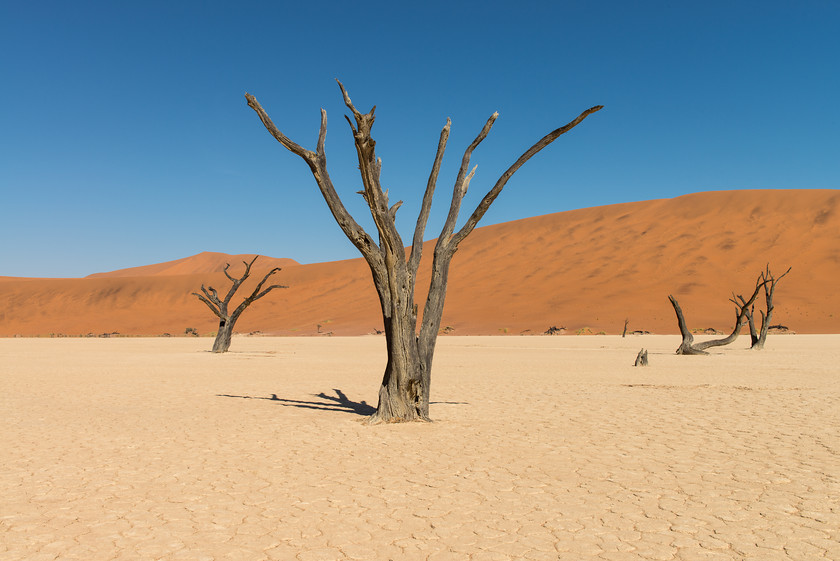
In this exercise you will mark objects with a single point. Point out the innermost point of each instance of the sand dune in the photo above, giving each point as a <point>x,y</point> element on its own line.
<point>206,262</point>
<point>588,268</point>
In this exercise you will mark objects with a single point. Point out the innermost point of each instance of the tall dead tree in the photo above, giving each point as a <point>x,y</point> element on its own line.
<point>766,278</point>
<point>688,347</point>
<point>404,392</point>
<point>220,307</point>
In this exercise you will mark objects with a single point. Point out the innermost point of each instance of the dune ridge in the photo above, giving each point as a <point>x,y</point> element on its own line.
<point>585,270</point>
<point>205,262</point>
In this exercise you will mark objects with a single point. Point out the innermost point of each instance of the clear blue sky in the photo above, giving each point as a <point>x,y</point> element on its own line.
<point>125,138</point>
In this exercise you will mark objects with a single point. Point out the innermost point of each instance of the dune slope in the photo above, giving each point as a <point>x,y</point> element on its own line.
<point>590,268</point>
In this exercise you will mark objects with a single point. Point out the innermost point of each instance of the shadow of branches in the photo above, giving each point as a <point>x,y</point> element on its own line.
<point>338,402</point>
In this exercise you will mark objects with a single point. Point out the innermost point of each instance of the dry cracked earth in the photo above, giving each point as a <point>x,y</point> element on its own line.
<point>543,448</point>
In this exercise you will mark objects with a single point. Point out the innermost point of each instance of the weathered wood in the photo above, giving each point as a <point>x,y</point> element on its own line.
<point>688,347</point>
<point>641,358</point>
<point>769,282</point>
<point>218,306</point>
<point>405,388</point>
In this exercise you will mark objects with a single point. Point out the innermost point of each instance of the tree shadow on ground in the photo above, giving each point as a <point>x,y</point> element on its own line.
<point>338,402</point>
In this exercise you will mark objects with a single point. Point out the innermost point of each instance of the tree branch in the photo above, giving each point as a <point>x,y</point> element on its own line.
<point>237,282</point>
<point>497,188</point>
<point>740,319</point>
<point>307,155</point>
<point>209,304</point>
<point>426,205</point>
<point>211,293</point>
<point>318,165</point>
<point>256,294</point>
<point>462,183</point>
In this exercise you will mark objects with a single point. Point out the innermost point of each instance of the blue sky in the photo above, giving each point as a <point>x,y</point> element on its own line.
<point>125,138</point>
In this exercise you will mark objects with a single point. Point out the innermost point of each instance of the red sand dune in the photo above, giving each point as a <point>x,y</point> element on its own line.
<point>207,262</point>
<point>588,268</point>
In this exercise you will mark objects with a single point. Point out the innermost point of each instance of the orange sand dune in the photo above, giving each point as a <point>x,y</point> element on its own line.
<point>206,262</point>
<point>588,268</point>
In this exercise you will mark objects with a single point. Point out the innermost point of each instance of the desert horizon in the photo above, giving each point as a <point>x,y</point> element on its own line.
<point>584,270</point>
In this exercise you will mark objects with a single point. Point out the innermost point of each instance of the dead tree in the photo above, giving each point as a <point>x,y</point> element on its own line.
<point>766,278</point>
<point>404,392</point>
<point>688,347</point>
<point>220,307</point>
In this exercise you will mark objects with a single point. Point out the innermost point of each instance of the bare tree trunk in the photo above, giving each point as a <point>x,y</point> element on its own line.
<point>751,323</point>
<point>405,389</point>
<point>686,346</point>
<point>624,333</point>
<point>220,306</point>
<point>769,282</point>
<point>223,336</point>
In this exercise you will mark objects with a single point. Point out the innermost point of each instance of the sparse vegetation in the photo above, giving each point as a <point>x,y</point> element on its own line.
<point>706,331</point>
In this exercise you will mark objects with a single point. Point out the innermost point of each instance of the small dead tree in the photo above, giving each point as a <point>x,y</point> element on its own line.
<point>404,392</point>
<point>220,307</point>
<point>766,278</point>
<point>688,347</point>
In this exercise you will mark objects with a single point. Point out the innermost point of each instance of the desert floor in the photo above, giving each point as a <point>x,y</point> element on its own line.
<point>550,448</point>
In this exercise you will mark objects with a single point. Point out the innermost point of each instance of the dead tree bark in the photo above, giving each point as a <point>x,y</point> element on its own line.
<point>688,347</point>
<point>404,392</point>
<point>759,338</point>
<point>220,307</point>
<point>641,358</point>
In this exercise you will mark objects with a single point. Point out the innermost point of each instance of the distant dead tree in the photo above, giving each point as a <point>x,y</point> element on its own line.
<point>688,347</point>
<point>220,307</point>
<point>767,280</point>
<point>404,392</point>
